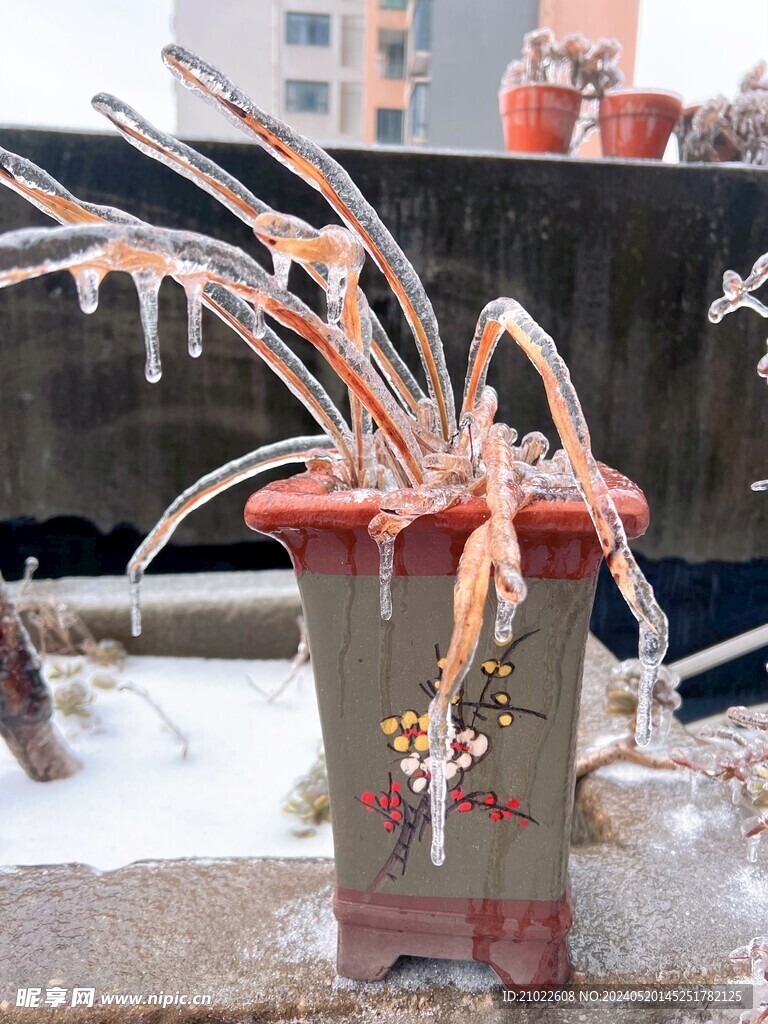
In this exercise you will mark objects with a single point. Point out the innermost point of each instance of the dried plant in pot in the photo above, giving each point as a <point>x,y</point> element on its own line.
<point>723,130</point>
<point>446,569</point>
<point>549,99</point>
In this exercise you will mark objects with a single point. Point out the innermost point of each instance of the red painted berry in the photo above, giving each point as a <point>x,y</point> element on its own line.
<point>513,803</point>
<point>495,815</point>
<point>367,798</point>
<point>456,794</point>
<point>395,787</point>
<point>523,821</point>
<point>384,801</point>
<point>388,826</point>
<point>491,798</point>
<point>394,801</point>
<point>465,805</point>
<point>395,815</point>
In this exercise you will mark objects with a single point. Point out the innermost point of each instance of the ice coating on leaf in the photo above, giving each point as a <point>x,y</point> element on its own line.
<point>337,289</point>
<point>87,283</point>
<point>736,294</point>
<point>507,315</point>
<point>281,266</point>
<point>322,172</point>
<point>183,254</point>
<point>270,456</point>
<point>259,322</point>
<point>194,291</point>
<point>179,157</point>
<point>147,287</point>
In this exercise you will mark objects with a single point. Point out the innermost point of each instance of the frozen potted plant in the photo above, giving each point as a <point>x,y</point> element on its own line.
<point>550,99</point>
<point>446,569</point>
<point>729,130</point>
<point>538,112</point>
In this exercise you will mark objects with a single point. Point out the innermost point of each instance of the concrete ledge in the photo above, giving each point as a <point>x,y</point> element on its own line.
<point>665,898</point>
<point>191,615</point>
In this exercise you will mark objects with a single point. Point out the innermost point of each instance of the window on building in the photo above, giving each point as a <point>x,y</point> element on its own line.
<point>422,25</point>
<point>351,114</point>
<point>391,56</point>
<point>352,40</point>
<point>418,120</point>
<point>306,97</point>
<point>389,126</point>
<point>393,5</point>
<point>307,29</point>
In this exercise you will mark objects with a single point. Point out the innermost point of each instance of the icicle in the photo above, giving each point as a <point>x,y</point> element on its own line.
<point>664,725</point>
<point>281,264</point>
<point>336,292</point>
<point>438,755</point>
<point>753,844</point>
<point>147,286</point>
<point>87,282</point>
<point>650,671</point>
<point>386,563</point>
<point>134,583</point>
<point>259,324</point>
<point>505,613</point>
<point>194,292</point>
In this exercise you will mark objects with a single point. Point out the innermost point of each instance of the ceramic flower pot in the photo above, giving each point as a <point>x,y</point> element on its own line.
<point>501,897</point>
<point>638,122</point>
<point>539,118</point>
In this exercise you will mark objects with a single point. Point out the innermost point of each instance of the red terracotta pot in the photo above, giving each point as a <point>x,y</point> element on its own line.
<point>638,122</point>
<point>502,895</point>
<point>539,118</point>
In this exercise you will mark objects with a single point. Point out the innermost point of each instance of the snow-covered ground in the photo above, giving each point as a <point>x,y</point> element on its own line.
<point>135,798</point>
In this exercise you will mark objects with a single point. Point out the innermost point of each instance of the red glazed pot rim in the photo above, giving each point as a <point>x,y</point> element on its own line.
<point>303,503</point>
<point>636,91</point>
<point>568,92</point>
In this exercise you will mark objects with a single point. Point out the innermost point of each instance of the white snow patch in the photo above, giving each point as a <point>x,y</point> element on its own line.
<point>136,799</point>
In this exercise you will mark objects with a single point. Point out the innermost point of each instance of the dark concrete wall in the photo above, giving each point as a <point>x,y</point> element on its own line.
<point>619,262</point>
<point>471,46</point>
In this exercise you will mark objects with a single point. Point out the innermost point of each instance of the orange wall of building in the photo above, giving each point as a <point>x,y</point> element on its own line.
<point>379,92</point>
<point>595,18</point>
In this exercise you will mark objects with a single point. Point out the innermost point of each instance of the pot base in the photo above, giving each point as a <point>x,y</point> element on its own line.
<point>523,941</point>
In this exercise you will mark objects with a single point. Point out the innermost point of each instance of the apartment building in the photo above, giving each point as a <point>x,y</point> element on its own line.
<point>303,60</point>
<point>392,72</point>
<point>434,66</point>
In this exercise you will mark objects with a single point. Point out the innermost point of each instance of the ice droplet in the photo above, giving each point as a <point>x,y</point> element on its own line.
<point>505,613</point>
<point>259,324</point>
<point>147,286</point>
<point>281,264</point>
<point>760,485</point>
<point>134,583</point>
<point>87,283</point>
<point>194,292</point>
<point>386,562</point>
<point>336,293</point>
<point>438,789</point>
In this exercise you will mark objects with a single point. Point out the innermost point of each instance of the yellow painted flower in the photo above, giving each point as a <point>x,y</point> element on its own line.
<point>412,729</point>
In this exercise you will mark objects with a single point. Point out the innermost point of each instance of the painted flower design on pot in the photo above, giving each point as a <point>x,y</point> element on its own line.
<point>405,812</point>
<point>467,748</point>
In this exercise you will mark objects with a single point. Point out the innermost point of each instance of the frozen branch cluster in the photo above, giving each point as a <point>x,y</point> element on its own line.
<point>723,129</point>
